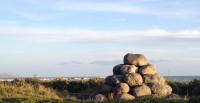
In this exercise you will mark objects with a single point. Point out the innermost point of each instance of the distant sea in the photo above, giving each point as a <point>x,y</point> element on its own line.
<point>182,78</point>
<point>170,78</point>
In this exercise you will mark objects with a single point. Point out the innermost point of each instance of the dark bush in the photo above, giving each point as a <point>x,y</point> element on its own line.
<point>180,88</point>
<point>190,88</point>
<point>194,99</point>
<point>88,86</point>
<point>58,84</point>
<point>74,86</point>
<point>194,88</point>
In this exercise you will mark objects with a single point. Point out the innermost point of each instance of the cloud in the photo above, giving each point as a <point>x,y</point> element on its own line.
<point>45,10</point>
<point>53,35</point>
<point>97,7</point>
<point>105,62</point>
<point>158,61</point>
<point>148,7</point>
<point>70,63</point>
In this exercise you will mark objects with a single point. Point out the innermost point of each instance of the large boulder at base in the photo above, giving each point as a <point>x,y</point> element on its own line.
<point>103,89</point>
<point>153,78</point>
<point>133,79</point>
<point>142,90</point>
<point>121,88</point>
<point>116,69</point>
<point>100,97</point>
<point>135,59</point>
<point>125,69</point>
<point>147,69</point>
<point>162,90</point>
<point>125,96</point>
<point>113,80</point>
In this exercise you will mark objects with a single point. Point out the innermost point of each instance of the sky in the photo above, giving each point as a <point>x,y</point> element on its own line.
<point>89,37</point>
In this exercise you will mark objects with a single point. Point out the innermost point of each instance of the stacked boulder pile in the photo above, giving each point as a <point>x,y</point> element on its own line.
<point>135,78</point>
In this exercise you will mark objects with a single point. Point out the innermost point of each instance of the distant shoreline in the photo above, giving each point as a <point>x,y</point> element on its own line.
<point>170,78</point>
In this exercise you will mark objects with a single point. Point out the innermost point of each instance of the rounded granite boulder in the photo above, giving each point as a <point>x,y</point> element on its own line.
<point>103,89</point>
<point>135,59</point>
<point>142,90</point>
<point>147,69</point>
<point>125,69</point>
<point>121,88</point>
<point>161,90</point>
<point>125,96</point>
<point>133,79</point>
<point>113,80</point>
<point>116,69</point>
<point>153,78</point>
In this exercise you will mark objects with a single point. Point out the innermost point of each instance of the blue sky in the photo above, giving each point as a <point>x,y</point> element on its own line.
<point>90,37</point>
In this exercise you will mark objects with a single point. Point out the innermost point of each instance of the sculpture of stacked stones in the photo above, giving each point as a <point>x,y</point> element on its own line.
<point>135,78</point>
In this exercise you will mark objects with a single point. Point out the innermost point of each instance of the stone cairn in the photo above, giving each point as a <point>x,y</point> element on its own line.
<point>135,78</point>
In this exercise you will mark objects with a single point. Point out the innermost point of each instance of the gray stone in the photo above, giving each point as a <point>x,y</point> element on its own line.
<point>142,90</point>
<point>114,80</point>
<point>133,79</point>
<point>147,69</point>
<point>153,78</point>
<point>125,96</point>
<point>135,59</point>
<point>125,69</point>
<point>162,90</point>
<point>116,69</point>
<point>121,88</point>
<point>103,89</point>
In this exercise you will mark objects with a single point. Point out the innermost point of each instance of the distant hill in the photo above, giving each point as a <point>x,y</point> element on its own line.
<point>6,75</point>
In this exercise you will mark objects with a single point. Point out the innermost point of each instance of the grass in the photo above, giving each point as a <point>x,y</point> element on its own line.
<point>34,90</point>
<point>25,90</point>
<point>22,92</point>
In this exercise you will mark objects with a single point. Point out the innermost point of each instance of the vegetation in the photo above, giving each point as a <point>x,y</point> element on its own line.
<point>77,86</point>
<point>34,90</point>
<point>19,91</point>
<point>188,88</point>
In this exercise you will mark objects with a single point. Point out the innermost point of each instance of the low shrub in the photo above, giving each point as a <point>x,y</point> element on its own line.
<point>188,88</point>
<point>194,99</point>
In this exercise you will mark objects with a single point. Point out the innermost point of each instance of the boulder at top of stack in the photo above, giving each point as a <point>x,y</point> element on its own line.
<point>135,59</point>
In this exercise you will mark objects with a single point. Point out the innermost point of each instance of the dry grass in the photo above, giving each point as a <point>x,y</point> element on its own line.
<point>25,90</point>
